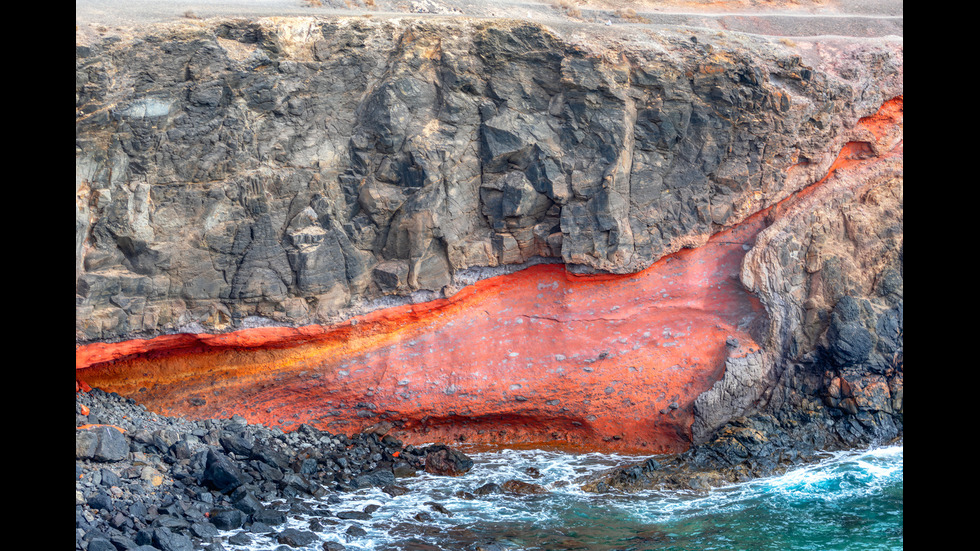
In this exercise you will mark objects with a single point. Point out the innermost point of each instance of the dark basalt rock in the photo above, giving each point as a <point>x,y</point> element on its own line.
<point>296,538</point>
<point>520,487</point>
<point>222,474</point>
<point>378,477</point>
<point>443,460</point>
<point>488,488</point>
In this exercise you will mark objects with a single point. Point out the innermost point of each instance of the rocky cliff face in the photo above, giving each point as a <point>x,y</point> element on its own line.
<point>291,170</point>
<point>284,173</point>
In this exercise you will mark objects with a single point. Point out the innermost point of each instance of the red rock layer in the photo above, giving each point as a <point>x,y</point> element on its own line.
<point>537,356</point>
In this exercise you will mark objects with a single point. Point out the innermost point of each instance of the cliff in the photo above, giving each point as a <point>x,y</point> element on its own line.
<point>489,230</point>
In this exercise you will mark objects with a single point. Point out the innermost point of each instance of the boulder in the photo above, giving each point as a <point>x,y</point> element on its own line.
<point>443,460</point>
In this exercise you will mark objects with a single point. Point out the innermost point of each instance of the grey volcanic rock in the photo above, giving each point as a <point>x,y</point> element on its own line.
<point>291,171</point>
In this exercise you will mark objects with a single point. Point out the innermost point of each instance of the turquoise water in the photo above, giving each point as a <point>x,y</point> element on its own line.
<point>850,501</point>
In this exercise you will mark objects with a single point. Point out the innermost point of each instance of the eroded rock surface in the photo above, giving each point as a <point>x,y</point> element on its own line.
<point>328,221</point>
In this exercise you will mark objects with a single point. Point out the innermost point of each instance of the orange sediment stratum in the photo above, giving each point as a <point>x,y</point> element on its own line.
<point>537,356</point>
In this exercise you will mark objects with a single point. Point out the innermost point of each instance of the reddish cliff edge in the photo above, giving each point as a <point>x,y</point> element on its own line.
<point>538,356</point>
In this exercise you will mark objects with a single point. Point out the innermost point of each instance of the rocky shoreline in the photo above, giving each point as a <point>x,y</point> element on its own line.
<point>147,482</point>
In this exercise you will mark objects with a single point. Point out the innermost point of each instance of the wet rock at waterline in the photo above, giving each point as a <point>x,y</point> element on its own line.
<point>174,483</point>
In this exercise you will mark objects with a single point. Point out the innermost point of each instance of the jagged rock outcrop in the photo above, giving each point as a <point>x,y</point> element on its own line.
<point>305,215</point>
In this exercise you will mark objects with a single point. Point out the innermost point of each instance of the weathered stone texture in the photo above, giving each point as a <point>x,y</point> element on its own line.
<point>287,171</point>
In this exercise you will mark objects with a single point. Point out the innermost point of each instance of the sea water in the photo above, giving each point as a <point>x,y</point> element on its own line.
<point>848,501</point>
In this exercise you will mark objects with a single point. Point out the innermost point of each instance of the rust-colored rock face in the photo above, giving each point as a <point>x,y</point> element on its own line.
<point>535,356</point>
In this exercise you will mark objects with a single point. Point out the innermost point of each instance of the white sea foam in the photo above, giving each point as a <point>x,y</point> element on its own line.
<point>839,477</point>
